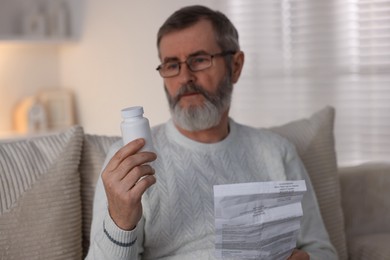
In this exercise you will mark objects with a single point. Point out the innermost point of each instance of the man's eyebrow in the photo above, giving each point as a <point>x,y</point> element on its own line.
<point>169,59</point>
<point>201,52</point>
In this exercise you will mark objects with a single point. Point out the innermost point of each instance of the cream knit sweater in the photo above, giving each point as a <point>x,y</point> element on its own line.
<point>178,219</point>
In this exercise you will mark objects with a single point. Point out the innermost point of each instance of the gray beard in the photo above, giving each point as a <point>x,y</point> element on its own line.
<point>205,116</point>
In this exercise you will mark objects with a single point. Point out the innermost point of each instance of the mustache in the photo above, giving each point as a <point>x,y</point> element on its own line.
<point>190,89</point>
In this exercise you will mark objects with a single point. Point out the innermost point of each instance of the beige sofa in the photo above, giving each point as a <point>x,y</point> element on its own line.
<point>47,184</point>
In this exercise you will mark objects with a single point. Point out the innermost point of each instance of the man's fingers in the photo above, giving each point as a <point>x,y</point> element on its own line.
<point>126,158</point>
<point>141,186</point>
<point>130,179</point>
<point>129,149</point>
<point>128,164</point>
<point>134,194</point>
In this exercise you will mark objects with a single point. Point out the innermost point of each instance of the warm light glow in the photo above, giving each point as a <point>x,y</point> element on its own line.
<point>25,69</point>
<point>6,53</point>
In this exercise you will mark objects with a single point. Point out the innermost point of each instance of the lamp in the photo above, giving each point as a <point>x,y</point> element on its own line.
<point>48,110</point>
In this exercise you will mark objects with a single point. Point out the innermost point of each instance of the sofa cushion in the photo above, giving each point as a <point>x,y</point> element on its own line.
<point>374,246</point>
<point>40,205</point>
<point>314,141</point>
<point>365,198</point>
<point>95,148</point>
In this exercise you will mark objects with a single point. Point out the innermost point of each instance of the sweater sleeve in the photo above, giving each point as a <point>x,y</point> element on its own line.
<point>107,240</point>
<point>313,237</point>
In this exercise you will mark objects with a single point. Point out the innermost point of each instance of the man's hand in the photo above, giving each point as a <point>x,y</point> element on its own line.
<point>124,183</point>
<point>299,255</point>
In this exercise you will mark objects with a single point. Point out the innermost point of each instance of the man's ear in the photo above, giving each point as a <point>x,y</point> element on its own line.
<point>237,65</point>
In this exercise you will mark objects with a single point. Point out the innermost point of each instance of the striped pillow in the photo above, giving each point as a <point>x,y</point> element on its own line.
<point>314,141</point>
<point>40,205</point>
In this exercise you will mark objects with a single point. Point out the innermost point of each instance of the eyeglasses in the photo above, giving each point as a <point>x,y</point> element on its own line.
<point>195,63</point>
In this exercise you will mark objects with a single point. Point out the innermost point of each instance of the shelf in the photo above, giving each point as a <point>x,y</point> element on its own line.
<point>21,39</point>
<point>40,21</point>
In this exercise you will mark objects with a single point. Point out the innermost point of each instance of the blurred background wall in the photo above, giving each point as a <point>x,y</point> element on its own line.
<point>24,70</point>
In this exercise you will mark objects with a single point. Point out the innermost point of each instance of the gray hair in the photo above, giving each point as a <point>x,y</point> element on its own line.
<point>225,33</point>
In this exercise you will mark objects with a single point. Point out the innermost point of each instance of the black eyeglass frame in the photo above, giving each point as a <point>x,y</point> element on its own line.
<point>212,56</point>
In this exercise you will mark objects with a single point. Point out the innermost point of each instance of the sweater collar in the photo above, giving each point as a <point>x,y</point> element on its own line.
<point>177,137</point>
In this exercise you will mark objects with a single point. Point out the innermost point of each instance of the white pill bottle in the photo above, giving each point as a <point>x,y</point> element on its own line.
<point>134,126</point>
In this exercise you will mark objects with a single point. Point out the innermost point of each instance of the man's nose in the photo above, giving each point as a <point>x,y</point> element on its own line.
<point>185,74</point>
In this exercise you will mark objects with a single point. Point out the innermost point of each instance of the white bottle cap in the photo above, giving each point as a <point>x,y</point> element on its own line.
<point>132,111</point>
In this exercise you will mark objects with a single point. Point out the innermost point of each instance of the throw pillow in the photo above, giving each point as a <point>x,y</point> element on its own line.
<point>314,141</point>
<point>40,205</point>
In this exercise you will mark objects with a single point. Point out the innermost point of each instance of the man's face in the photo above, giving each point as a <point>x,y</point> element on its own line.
<point>197,99</point>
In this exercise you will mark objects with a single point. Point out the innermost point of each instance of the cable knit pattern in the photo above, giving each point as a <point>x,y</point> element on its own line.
<point>178,218</point>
